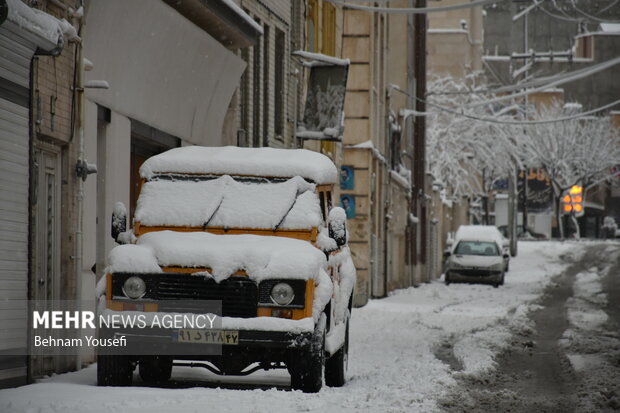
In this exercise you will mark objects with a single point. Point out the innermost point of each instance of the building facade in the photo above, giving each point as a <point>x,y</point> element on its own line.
<point>37,175</point>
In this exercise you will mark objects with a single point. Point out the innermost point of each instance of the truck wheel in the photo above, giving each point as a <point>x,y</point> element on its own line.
<point>114,370</point>
<point>307,365</point>
<point>336,365</point>
<point>155,369</point>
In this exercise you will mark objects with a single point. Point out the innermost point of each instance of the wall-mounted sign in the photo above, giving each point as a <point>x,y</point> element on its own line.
<point>347,177</point>
<point>347,202</point>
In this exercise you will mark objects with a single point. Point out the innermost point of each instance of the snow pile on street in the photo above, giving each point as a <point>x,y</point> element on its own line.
<point>260,256</point>
<point>400,354</point>
<point>224,202</point>
<point>232,160</point>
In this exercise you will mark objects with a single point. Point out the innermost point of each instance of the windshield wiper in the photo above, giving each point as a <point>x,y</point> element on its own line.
<point>289,210</point>
<point>206,224</point>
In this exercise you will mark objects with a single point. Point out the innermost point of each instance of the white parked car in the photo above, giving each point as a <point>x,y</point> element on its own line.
<point>478,253</point>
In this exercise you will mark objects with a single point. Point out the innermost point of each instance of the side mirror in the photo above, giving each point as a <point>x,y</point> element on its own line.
<point>506,256</point>
<point>119,220</point>
<point>338,225</point>
<point>446,254</point>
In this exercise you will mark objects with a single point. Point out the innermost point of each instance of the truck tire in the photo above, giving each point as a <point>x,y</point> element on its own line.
<point>114,370</point>
<point>336,365</point>
<point>155,369</point>
<point>307,365</point>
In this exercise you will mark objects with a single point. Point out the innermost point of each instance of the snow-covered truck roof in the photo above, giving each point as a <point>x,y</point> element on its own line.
<point>232,160</point>
<point>224,202</point>
<point>259,256</point>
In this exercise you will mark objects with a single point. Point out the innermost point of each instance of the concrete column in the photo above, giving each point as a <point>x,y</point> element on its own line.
<point>114,155</point>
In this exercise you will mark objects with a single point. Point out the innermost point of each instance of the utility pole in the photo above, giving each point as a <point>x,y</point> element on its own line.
<point>419,134</point>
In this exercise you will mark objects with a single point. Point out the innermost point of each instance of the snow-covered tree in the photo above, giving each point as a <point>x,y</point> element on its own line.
<point>461,150</point>
<point>579,151</point>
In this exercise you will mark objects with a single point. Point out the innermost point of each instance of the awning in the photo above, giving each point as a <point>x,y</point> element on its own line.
<point>166,72</point>
<point>35,26</point>
<point>222,19</point>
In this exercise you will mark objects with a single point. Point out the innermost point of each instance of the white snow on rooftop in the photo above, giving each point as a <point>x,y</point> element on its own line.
<point>260,256</point>
<point>224,202</point>
<point>232,160</point>
<point>35,21</point>
<point>610,27</point>
<point>248,19</point>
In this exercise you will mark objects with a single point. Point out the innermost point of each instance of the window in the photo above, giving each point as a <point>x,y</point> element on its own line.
<point>477,248</point>
<point>279,61</point>
<point>266,89</point>
<point>256,101</point>
<point>322,201</point>
<point>244,98</point>
<point>313,25</point>
<point>329,29</point>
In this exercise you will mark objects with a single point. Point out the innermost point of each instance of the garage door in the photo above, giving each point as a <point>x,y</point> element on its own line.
<point>15,56</point>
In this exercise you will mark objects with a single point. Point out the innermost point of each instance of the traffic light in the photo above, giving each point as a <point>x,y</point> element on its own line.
<point>572,201</point>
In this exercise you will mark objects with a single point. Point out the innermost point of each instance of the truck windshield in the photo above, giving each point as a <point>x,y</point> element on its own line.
<point>476,248</point>
<point>224,202</point>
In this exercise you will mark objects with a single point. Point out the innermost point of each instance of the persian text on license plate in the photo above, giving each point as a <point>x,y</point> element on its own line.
<point>208,336</point>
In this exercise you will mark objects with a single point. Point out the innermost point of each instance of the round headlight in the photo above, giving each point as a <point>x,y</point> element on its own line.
<point>134,287</point>
<point>282,294</point>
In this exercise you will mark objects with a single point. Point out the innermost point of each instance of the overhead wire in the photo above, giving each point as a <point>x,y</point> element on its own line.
<point>412,10</point>
<point>524,122</point>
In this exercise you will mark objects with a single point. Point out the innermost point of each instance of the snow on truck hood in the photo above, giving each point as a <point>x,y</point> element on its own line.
<point>260,256</point>
<point>232,160</point>
<point>224,202</point>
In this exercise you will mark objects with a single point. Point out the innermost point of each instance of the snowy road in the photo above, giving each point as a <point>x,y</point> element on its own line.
<point>407,352</point>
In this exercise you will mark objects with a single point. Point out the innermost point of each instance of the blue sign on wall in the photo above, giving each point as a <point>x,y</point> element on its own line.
<point>347,202</point>
<point>347,177</point>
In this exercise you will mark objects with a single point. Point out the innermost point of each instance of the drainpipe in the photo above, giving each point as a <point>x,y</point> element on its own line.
<point>80,193</point>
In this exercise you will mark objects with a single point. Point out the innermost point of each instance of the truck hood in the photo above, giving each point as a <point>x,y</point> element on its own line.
<point>260,256</point>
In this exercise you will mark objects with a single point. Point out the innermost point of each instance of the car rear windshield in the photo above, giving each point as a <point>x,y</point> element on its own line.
<point>476,248</point>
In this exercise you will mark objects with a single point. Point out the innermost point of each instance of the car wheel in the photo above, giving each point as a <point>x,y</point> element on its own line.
<point>114,370</point>
<point>336,365</point>
<point>447,279</point>
<point>155,369</point>
<point>306,366</point>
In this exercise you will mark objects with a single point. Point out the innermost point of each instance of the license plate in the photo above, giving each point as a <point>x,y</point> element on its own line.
<point>227,337</point>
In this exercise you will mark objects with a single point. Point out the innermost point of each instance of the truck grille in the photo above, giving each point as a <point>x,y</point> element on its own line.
<point>184,293</point>
<point>239,295</point>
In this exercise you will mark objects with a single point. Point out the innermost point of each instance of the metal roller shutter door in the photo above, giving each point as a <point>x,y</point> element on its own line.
<point>15,55</point>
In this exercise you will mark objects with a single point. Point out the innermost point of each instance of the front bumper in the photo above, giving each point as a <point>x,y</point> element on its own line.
<point>159,341</point>
<point>474,275</point>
